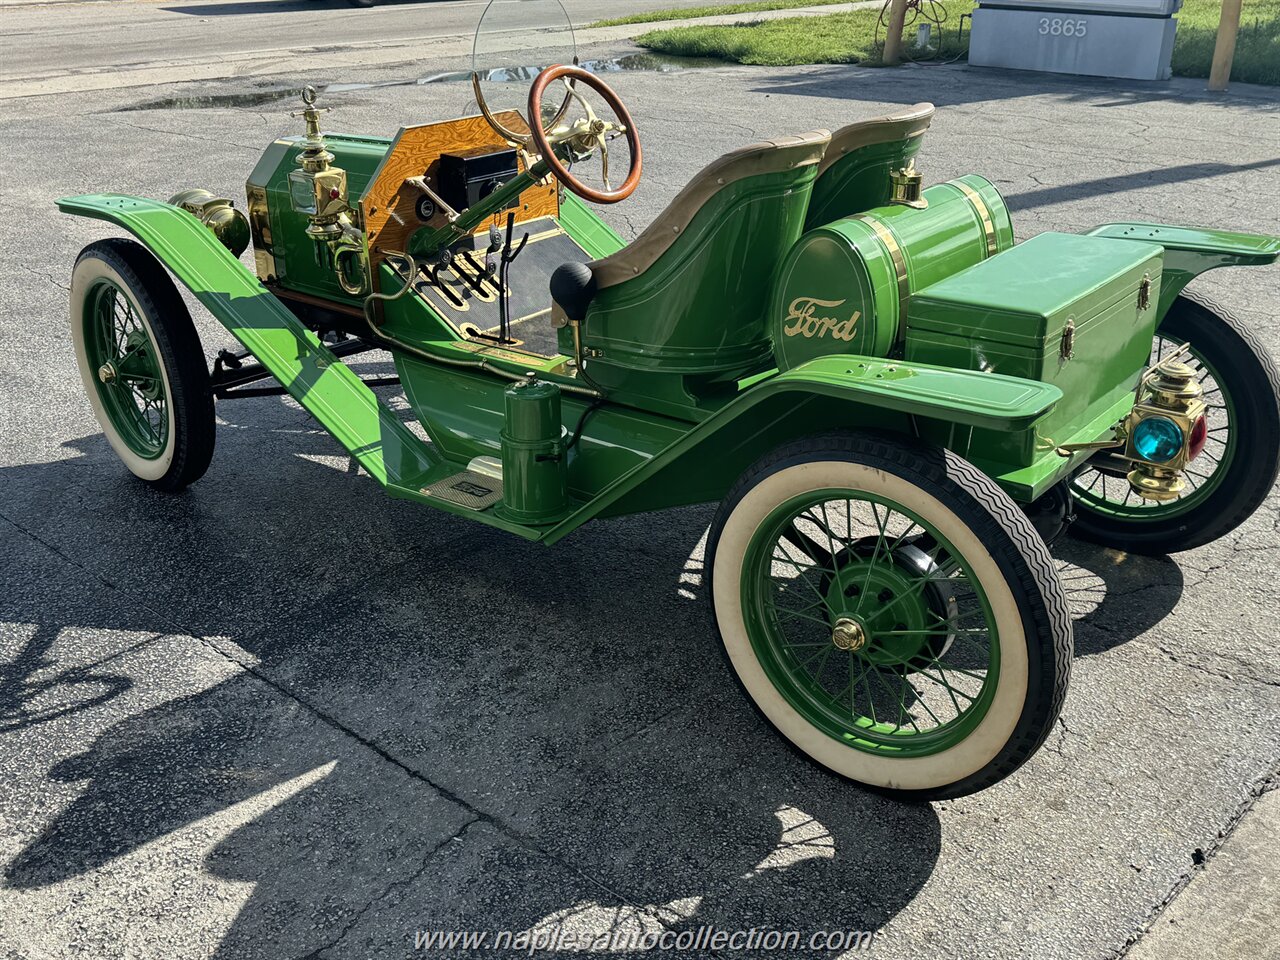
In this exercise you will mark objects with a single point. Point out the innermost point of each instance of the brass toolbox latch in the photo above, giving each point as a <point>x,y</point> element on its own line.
<point>1067,348</point>
<point>1144,292</point>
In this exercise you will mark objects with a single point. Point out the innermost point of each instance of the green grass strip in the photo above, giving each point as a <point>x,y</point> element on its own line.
<point>791,41</point>
<point>1257,47</point>
<point>850,37</point>
<point>713,10</point>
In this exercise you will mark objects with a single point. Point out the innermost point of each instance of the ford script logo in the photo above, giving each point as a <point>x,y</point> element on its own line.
<point>803,320</point>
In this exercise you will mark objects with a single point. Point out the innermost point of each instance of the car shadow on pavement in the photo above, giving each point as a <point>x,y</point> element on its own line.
<point>958,85</point>
<point>449,726</point>
<point>32,692</point>
<point>410,674</point>
<point>1114,596</point>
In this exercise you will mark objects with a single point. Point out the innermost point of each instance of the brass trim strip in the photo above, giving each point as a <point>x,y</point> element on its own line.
<point>899,267</point>
<point>984,214</point>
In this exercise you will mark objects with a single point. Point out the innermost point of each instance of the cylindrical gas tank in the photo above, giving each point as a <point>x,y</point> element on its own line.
<point>846,287</point>
<point>534,474</point>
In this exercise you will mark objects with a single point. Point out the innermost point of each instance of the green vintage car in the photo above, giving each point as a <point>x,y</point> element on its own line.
<point>895,405</point>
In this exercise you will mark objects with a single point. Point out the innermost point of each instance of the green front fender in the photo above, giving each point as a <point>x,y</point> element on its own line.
<point>311,373</point>
<point>1191,251</point>
<point>829,393</point>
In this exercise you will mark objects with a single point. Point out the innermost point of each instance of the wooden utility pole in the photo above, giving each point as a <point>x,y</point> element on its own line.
<point>1225,49</point>
<point>893,36</point>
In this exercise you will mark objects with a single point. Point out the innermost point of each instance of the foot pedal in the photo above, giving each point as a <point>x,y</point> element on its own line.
<point>468,489</point>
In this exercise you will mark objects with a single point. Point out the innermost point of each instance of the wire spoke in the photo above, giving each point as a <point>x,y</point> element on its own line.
<point>797,538</point>
<point>802,616</point>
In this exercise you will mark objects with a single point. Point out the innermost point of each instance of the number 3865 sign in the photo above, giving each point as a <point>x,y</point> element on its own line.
<point>1063,26</point>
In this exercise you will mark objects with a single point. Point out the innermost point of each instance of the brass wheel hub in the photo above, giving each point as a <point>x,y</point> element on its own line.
<point>848,634</point>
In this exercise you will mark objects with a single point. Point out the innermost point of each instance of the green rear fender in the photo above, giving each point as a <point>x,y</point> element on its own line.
<point>1191,251</point>
<point>829,393</point>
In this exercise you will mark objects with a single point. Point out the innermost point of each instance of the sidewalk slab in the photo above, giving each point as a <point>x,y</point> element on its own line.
<point>1231,909</point>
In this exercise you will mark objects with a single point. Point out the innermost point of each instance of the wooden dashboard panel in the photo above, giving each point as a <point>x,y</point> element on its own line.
<point>387,207</point>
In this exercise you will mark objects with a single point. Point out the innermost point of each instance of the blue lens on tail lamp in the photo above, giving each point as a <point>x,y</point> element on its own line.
<point>1157,439</point>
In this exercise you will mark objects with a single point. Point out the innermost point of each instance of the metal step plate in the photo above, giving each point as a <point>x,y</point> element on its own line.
<point>468,489</point>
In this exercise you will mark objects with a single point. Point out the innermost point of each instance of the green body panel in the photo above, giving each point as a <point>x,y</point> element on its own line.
<point>1048,467</point>
<point>461,409</point>
<point>410,320</point>
<point>314,377</point>
<point>859,180</point>
<point>687,327</point>
<point>1191,251</point>
<point>1008,315</point>
<point>827,394</point>
<point>621,448</point>
<point>294,253</point>
<point>846,271</point>
<point>591,233</point>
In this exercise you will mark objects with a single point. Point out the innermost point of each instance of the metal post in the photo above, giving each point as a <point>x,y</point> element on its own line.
<point>893,37</point>
<point>1224,51</point>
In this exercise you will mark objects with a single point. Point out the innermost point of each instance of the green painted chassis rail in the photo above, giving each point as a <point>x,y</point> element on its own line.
<point>317,379</point>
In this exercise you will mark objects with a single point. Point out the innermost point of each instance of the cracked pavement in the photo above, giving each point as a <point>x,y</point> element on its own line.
<point>282,716</point>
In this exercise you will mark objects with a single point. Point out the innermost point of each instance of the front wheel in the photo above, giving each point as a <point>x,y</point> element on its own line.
<point>891,612</point>
<point>142,364</point>
<point>1234,473</point>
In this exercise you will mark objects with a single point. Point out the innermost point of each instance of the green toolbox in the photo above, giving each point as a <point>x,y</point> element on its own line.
<point>1074,311</point>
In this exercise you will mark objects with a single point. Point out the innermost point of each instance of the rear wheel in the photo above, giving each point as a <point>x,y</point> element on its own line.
<point>891,612</point>
<point>1228,481</point>
<point>142,364</point>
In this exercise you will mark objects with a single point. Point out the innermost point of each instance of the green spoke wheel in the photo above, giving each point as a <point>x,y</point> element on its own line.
<point>141,363</point>
<point>130,383</point>
<point>1234,473</point>
<point>892,612</point>
<point>875,629</point>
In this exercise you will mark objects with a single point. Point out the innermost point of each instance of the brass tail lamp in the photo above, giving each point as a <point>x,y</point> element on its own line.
<point>1169,419</point>
<point>1165,430</point>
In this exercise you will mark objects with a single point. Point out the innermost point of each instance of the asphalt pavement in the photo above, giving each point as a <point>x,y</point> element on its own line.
<point>282,716</point>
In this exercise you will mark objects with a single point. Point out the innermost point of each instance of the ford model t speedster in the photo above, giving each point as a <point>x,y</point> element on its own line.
<point>895,405</point>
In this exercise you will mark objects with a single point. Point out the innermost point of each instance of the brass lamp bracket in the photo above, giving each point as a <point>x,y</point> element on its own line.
<point>1071,449</point>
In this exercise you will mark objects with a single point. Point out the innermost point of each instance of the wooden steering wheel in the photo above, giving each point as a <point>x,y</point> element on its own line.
<point>584,135</point>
